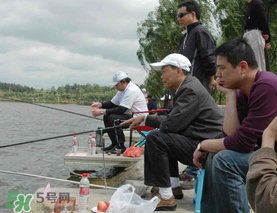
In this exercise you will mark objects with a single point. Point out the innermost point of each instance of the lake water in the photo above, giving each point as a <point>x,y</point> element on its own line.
<point>20,122</point>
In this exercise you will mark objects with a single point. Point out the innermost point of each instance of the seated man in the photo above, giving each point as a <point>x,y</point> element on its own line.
<point>152,104</point>
<point>128,99</point>
<point>261,179</point>
<point>250,106</point>
<point>194,117</point>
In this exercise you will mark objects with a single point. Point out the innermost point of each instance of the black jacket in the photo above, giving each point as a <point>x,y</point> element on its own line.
<point>201,39</point>
<point>194,113</point>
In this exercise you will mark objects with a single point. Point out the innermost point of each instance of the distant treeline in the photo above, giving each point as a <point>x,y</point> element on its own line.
<point>68,94</point>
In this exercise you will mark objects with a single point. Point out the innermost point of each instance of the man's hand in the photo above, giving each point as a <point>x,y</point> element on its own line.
<point>95,112</point>
<point>134,121</point>
<point>265,36</point>
<point>96,105</point>
<point>267,46</point>
<point>223,89</point>
<point>196,156</point>
<point>212,82</point>
<point>270,134</point>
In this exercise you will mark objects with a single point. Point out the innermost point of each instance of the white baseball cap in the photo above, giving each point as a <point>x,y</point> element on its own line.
<point>174,59</point>
<point>119,76</point>
<point>162,98</point>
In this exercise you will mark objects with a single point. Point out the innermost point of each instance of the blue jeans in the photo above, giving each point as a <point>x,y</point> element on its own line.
<point>192,171</point>
<point>224,183</point>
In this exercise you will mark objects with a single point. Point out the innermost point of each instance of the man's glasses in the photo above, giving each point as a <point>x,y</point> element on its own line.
<point>180,15</point>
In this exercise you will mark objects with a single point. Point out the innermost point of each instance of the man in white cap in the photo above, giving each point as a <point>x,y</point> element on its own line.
<point>194,117</point>
<point>128,99</point>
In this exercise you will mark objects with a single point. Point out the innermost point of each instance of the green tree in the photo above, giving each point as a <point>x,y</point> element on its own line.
<point>159,36</point>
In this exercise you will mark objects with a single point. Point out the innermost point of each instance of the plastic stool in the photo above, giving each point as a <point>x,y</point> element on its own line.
<point>198,190</point>
<point>142,138</point>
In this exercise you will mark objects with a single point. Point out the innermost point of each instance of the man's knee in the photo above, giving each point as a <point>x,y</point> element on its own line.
<point>222,159</point>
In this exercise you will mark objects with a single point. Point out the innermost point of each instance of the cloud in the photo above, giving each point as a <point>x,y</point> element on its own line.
<point>53,43</point>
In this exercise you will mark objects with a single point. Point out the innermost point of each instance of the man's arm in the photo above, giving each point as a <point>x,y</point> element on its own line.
<point>261,181</point>
<point>231,120</point>
<point>205,45</point>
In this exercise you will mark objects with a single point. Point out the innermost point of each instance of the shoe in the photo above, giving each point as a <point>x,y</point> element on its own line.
<point>166,204</point>
<point>108,148</point>
<point>183,176</point>
<point>188,184</point>
<point>113,151</point>
<point>177,192</point>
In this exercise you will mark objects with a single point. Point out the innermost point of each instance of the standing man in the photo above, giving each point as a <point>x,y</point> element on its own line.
<point>251,104</point>
<point>198,45</point>
<point>256,30</point>
<point>128,99</point>
<point>194,116</point>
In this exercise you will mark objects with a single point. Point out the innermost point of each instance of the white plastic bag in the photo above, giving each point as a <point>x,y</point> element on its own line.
<point>125,200</point>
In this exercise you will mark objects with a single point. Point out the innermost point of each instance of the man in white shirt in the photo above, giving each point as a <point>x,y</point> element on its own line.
<point>128,99</point>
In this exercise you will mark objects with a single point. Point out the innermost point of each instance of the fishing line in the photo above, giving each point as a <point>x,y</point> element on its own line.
<point>57,179</point>
<point>62,110</point>
<point>62,136</point>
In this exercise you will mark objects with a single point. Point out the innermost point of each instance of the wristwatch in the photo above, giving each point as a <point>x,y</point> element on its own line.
<point>199,148</point>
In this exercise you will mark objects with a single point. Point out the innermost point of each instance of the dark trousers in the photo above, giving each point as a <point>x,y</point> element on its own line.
<point>116,135</point>
<point>161,155</point>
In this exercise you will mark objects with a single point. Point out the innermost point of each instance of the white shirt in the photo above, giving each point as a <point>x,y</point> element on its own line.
<point>131,98</point>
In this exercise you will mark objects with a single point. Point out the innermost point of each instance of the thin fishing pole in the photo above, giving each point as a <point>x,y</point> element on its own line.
<point>62,136</point>
<point>57,179</point>
<point>62,110</point>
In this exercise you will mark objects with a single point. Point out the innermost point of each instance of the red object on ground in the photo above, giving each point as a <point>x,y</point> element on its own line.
<point>133,152</point>
<point>102,206</point>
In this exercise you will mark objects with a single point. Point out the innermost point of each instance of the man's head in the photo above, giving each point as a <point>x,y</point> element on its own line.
<point>188,13</point>
<point>149,97</point>
<point>235,60</point>
<point>120,80</point>
<point>174,67</point>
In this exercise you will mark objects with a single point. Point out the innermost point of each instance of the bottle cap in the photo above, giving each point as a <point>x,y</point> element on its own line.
<point>85,174</point>
<point>93,136</point>
<point>90,134</point>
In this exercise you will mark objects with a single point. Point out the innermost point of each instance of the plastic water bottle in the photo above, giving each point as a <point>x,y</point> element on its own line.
<point>93,146</point>
<point>89,143</point>
<point>84,193</point>
<point>75,139</point>
<point>74,147</point>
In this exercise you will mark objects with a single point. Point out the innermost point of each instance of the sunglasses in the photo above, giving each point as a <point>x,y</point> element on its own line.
<point>180,15</point>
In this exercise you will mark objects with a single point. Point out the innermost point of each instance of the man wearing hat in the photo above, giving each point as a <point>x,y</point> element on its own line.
<point>194,117</point>
<point>128,99</point>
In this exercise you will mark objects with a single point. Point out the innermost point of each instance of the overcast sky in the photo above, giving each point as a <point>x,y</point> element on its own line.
<point>45,43</point>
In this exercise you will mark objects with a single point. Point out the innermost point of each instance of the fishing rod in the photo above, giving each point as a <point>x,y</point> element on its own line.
<point>62,110</point>
<point>62,136</point>
<point>150,111</point>
<point>57,179</point>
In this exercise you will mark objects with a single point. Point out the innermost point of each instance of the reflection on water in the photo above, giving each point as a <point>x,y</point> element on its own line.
<point>21,122</point>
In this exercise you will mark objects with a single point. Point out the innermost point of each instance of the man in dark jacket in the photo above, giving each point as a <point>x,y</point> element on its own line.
<point>197,44</point>
<point>194,117</point>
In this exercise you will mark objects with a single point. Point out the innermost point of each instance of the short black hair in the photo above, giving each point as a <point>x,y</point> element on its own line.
<point>237,50</point>
<point>192,6</point>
